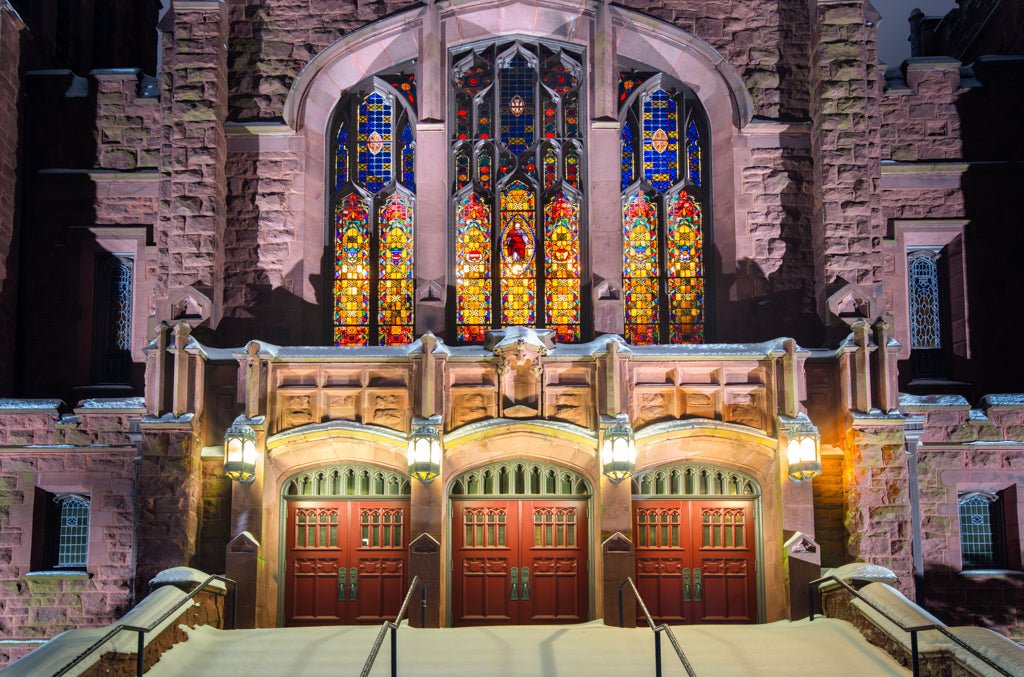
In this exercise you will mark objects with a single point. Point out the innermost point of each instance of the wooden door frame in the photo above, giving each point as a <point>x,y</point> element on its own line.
<point>449,539</point>
<point>758,534</point>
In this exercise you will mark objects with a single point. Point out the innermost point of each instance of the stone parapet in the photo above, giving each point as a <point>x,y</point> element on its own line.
<point>919,118</point>
<point>11,28</point>
<point>128,125</point>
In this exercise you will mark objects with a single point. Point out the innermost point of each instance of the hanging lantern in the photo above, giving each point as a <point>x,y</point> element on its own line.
<point>240,453</point>
<point>618,451</point>
<point>425,449</point>
<point>802,455</point>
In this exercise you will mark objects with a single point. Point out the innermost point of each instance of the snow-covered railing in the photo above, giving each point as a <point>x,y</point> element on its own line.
<point>393,626</point>
<point>903,624</point>
<point>657,630</point>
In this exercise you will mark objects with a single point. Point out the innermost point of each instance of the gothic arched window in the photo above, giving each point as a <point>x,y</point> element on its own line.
<point>373,213</point>
<point>664,176</point>
<point>518,188</point>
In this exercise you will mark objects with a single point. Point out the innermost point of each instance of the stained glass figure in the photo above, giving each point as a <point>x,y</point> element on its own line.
<point>660,140</point>
<point>516,82</point>
<point>395,271</point>
<point>518,261</point>
<point>512,156</point>
<point>408,159</point>
<point>375,158</point>
<point>562,268</point>
<point>640,270</point>
<point>352,273</point>
<point>472,268</point>
<point>341,158</point>
<point>684,269</point>
<point>693,159</point>
<point>925,318</point>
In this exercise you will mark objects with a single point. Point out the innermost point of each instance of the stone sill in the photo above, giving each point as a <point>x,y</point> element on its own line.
<point>992,573</point>
<point>58,575</point>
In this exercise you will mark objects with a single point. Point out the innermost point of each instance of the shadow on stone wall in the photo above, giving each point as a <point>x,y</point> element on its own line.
<point>995,602</point>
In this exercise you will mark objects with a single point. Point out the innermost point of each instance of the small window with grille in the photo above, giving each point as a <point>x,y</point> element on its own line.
<point>60,531</point>
<point>981,530</point>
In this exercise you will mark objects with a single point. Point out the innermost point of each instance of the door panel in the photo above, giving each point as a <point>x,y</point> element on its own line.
<point>519,561</point>
<point>695,560</point>
<point>346,561</point>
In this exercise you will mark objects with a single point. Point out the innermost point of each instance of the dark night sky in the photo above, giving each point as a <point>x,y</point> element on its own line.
<point>893,30</point>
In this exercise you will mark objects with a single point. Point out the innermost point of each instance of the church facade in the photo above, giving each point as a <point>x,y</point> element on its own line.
<point>519,297</point>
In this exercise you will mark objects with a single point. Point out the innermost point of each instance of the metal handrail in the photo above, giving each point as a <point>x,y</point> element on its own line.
<point>657,630</point>
<point>393,626</point>
<point>140,657</point>
<point>913,630</point>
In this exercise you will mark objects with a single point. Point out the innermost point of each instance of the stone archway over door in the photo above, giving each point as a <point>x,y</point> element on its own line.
<point>519,545</point>
<point>346,536</point>
<point>695,528</point>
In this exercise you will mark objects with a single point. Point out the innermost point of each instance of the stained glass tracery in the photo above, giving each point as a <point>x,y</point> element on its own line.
<point>517,159</point>
<point>662,178</point>
<point>925,318</point>
<point>373,215</point>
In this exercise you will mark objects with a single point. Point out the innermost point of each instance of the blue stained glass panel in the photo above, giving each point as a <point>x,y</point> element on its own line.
<point>408,159</point>
<point>660,140</point>
<point>517,104</point>
<point>373,166</point>
<point>341,159</point>
<point>693,153</point>
<point>627,155</point>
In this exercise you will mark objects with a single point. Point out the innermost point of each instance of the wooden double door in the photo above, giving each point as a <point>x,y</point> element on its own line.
<point>519,562</point>
<point>695,559</point>
<point>346,561</point>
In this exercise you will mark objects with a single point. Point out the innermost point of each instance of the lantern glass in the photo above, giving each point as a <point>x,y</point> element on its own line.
<point>802,457</point>
<point>618,453</point>
<point>424,454</point>
<point>240,453</point>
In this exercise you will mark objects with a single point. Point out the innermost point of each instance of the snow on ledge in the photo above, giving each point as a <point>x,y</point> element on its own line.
<point>860,572</point>
<point>1002,651</point>
<point>112,403</point>
<point>1003,400</point>
<point>10,404</point>
<point>918,402</point>
<point>179,575</point>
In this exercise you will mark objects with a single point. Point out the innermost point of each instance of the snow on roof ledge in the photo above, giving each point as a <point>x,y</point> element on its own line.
<point>1003,400</point>
<point>112,403</point>
<point>921,402</point>
<point>187,575</point>
<point>10,404</point>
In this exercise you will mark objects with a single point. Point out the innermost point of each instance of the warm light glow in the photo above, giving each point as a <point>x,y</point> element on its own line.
<point>240,453</point>
<point>618,452</point>
<point>802,457</point>
<point>424,455</point>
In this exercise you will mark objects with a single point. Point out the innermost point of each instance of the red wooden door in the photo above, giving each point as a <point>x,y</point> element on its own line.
<point>346,561</point>
<point>519,562</point>
<point>695,560</point>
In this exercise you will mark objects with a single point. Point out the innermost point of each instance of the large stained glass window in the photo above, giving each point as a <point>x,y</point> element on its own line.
<point>373,214</point>
<point>663,224</point>
<point>517,187</point>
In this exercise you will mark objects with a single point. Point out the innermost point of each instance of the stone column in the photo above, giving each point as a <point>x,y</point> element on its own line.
<point>875,482</point>
<point>847,225</point>
<point>191,222</point>
<point>11,27</point>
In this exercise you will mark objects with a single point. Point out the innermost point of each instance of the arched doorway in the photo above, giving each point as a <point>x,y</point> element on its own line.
<point>696,528</point>
<point>519,545</point>
<point>346,536</point>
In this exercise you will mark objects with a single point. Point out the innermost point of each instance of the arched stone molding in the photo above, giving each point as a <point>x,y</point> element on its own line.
<point>304,448</point>
<point>741,448</point>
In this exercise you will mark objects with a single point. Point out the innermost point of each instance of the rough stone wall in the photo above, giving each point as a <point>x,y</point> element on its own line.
<point>190,228</point>
<point>215,522</point>
<point>259,242</point>
<point>765,41</point>
<point>919,119</point>
<point>170,503</point>
<point>10,100</point>
<point>829,511</point>
<point>875,483</point>
<point>272,40</point>
<point>845,87</point>
<point>33,608</point>
<point>128,130</point>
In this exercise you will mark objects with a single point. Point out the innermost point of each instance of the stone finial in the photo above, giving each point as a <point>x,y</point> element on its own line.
<point>791,379</point>
<point>252,379</point>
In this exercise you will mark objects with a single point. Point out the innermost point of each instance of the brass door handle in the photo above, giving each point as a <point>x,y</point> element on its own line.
<point>342,575</point>
<point>515,583</point>
<point>686,585</point>
<point>353,589</point>
<point>698,588</point>
<point>525,578</point>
